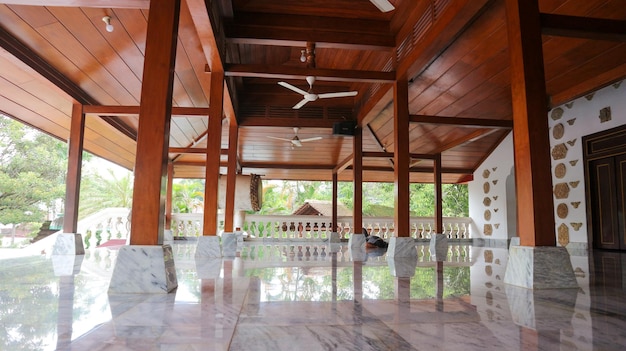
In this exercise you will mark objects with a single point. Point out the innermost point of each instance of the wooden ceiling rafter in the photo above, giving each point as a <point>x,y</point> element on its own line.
<point>117,4</point>
<point>583,27</point>
<point>134,110</point>
<point>192,150</point>
<point>462,121</point>
<point>320,74</point>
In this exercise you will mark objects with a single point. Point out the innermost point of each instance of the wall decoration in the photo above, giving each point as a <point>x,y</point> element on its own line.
<point>494,169</point>
<point>571,121</point>
<point>486,173</point>
<point>574,184</point>
<point>563,236</point>
<point>496,225</point>
<point>579,273</point>
<point>497,261</point>
<point>488,254</point>
<point>562,210</point>
<point>616,85</point>
<point>495,197</point>
<point>569,104</point>
<point>561,190</point>
<point>487,215</point>
<point>487,202</point>
<point>576,225</point>
<point>486,187</point>
<point>572,142</point>
<point>495,209</point>
<point>558,131</point>
<point>559,151</point>
<point>557,113</point>
<point>589,97</point>
<point>488,270</point>
<point>488,229</point>
<point>495,181</point>
<point>560,170</point>
<point>605,114</point>
<point>575,204</point>
<point>573,162</point>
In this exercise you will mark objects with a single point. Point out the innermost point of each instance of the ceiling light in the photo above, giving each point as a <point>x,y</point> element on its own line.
<point>302,56</point>
<point>109,26</point>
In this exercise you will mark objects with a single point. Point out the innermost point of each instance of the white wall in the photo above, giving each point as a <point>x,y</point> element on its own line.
<point>568,124</point>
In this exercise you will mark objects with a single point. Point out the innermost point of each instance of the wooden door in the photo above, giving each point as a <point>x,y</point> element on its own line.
<point>607,184</point>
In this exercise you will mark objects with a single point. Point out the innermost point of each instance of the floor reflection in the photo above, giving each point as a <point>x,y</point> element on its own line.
<point>311,297</point>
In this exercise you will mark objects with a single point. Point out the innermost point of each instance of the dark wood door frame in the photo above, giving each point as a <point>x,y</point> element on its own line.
<point>605,144</point>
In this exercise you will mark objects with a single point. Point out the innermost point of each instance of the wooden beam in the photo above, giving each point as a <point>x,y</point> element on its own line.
<point>153,135</point>
<point>192,150</point>
<point>107,4</point>
<point>197,163</point>
<point>583,27</point>
<point>168,195</point>
<point>374,154</point>
<point>531,145</point>
<point>231,178</point>
<point>74,166</point>
<point>321,74</point>
<point>286,122</point>
<point>201,15</point>
<point>471,137</point>
<point>285,166</point>
<point>357,180</point>
<point>438,196</point>
<point>341,166</point>
<point>462,122</point>
<point>401,158</point>
<point>134,110</point>
<point>335,201</point>
<point>423,169</point>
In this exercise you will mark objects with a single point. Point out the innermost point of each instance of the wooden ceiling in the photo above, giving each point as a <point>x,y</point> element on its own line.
<point>454,55</point>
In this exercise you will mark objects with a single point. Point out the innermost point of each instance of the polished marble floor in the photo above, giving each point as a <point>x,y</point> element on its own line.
<point>299,297</point>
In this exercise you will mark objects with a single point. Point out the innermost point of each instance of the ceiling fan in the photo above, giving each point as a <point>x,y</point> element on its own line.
<point>383,5</point>
<point>310,95</point>
<point>295,141</point>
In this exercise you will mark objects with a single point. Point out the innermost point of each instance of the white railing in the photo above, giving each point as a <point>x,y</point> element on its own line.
<point>102,226</point>
<point>307,228</point>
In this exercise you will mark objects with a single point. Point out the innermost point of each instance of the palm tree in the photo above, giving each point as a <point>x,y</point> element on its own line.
<point>99,192</point>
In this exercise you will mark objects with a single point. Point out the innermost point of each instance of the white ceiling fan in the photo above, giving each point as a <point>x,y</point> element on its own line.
<point>383,5</point>
<point>295,141</point>
<point>310,95</point>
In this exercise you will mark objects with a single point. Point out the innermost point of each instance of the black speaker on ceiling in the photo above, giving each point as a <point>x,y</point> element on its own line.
<point>344,128</point>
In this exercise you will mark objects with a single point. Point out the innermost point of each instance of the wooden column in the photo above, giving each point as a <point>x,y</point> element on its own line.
<point>74,166</point>
<point>231,177</point>
<point>401,157</point>
<point>533,176</point>
<point>335,200</point>
<point>213,150</point>
<point>438,196</point>
<point>357,168</point>
<point>148,214</point>
<point>168,195</point>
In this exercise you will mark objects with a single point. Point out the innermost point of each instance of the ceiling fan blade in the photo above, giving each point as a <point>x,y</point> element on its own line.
<point>277,138</point>
<point>383,5</point>
<point>336,95</point>
<point>292,87</point>
<point>310,139</point>
<point>296,142</point>
<point>300,104</point>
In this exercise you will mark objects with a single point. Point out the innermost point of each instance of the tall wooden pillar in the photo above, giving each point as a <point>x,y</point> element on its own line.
<point>335,200</point>
<point>148,214</point>
<point>357,165</point>
<point>74,166</point>
<point>231,177</point>
<point>401,157</point>
<point>533,177</point>
<point>438,196</point>
<point>213,150</point>
<point>168,195</point>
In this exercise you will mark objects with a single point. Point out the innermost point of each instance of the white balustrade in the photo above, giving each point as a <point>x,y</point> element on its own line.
<point>102,226</point>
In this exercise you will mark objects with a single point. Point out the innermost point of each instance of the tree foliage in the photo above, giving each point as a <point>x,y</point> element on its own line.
<point>187,196</point>
<point>104,189</point>
<point>32,171</point>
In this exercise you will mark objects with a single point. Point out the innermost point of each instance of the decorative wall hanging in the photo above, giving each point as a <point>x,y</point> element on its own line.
<point>605,114</point>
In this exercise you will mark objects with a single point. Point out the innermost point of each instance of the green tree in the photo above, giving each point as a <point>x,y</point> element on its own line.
<point>99,191</point>
<point>187,195</point>
<point>32,170</point>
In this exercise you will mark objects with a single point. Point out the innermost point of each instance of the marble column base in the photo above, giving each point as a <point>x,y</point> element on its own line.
<point>514,242</point>
<point>334,238</point>
<point>68,244</point>
<point>438,247</point>
<point>66,265</point>
<point>401,247</point>
<point>208,247</point>
<point>141,269</point>
<point>229,244</point>
<point>541,267</point>
<point>356,241</point>
<point>402,267</point>
<point>536,309</point>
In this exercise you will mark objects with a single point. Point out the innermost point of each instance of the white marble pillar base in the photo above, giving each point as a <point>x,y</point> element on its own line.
<point>68,244</point>
<point>334,238</point>
<point>514,242</point>
<point>541,267</point>
<point>66,265</point>
<point>438,247</point>
<point>401,247</point>
<point>229,244</point>
<point>143,269</point>
<point>356,241</point>
<point>208,247</point>
<point>535,309</point>
<point>402,267</point>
